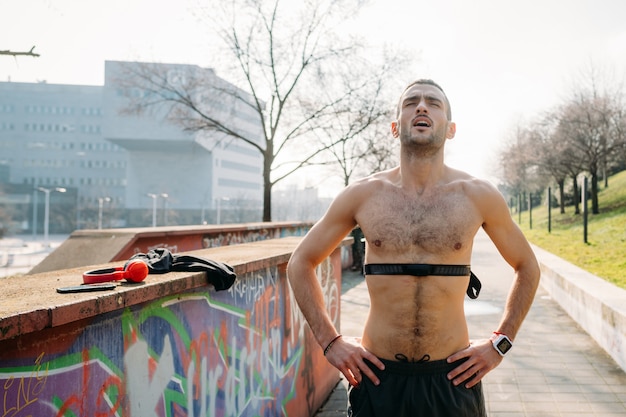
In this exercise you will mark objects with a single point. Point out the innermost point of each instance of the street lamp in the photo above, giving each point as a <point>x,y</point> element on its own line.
<point>154,202</point>
<point>46,219</point>
<point>165,197</point>
<point>101,201</point>
<point>219,208</point>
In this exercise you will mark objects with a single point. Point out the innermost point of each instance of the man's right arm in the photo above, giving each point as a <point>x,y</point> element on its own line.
<point>346,354</point>
<point>316,246</point>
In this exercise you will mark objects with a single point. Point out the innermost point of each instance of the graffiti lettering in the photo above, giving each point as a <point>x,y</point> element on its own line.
<point>144,392</point>
<point>16,399</point>
<point>253,285</point>
<point>171,248</point>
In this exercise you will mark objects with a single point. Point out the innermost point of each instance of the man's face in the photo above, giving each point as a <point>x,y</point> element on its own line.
<point>422,117</point>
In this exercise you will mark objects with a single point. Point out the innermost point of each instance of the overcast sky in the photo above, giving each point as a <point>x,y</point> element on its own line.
<point>498,60</point>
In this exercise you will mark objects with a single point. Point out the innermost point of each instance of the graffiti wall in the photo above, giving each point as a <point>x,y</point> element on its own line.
<point>242,352</point>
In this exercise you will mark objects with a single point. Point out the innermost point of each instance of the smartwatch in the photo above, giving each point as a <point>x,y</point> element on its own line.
<point>501,343</point>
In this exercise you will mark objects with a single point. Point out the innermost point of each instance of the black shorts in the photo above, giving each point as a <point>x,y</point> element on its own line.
<point>415,389</point>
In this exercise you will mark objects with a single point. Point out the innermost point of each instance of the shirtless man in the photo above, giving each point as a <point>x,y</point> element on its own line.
<point>415,357</point>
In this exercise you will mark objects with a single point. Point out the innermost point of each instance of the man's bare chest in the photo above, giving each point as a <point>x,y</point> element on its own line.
<point>440,226</point>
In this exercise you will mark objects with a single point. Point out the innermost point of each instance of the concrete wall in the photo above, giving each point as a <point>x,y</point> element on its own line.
<point>92,247</point>
<point>169,346</point>
<point>598,306</point>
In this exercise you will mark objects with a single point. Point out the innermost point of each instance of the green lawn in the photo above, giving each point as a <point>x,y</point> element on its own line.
<point>604,254</point>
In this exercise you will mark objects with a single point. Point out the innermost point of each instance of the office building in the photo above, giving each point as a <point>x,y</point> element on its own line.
<point>131,166</point>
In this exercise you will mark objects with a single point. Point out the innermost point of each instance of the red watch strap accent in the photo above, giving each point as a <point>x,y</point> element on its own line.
<point>496,334</point>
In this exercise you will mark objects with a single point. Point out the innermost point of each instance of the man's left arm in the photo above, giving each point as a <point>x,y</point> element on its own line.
<point>481,355</point>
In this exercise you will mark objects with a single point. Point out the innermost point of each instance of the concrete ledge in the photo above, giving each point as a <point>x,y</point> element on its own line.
<point>598,306</point>
<point>88,247</point>
<point>30,303</point>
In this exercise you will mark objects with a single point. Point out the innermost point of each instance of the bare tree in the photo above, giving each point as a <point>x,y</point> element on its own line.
<point>584,134</point>
<point>292,65</point>
<point>359,139</point>
<point>540,145</point>
<point>594,120</point>
<point>516,161</point>
<point>585,123</point>
<point>521,169</point>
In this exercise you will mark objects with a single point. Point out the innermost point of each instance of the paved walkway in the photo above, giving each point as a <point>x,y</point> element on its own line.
<point>554,370</point>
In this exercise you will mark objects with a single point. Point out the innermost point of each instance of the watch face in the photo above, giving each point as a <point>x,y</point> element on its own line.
<point>504,345</point>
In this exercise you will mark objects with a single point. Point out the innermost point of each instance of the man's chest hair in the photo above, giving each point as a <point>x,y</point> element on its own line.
<point>443,223</point>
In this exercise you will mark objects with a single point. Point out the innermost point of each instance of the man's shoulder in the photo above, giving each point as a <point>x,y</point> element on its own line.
<point>471,183</point>
<point>376,180</point>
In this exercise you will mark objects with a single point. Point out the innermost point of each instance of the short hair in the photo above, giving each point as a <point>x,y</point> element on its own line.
<point>427,81</point>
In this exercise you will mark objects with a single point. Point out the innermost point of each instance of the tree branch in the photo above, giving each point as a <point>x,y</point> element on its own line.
<point>15,54</point>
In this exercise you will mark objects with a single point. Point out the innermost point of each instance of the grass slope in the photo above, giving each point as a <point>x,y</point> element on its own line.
<point>604,254</point>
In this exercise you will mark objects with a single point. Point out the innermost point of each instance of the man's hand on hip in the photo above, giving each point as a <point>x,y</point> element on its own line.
<point>348,354</point>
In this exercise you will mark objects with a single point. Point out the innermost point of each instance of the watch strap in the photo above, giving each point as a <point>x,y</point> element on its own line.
<point>501,343</point>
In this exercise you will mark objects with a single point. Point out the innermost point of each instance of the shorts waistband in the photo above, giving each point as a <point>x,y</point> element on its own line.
<point>419,368</point>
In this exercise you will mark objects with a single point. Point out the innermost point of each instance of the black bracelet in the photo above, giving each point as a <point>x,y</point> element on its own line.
<point>331,344</point>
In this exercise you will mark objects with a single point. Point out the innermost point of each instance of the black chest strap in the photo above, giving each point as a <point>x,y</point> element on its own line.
<point>421,270</point>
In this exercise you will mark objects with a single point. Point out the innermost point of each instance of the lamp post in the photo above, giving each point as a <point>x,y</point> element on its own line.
<point>154,202</point>
<point>165,197</point>
<point>35,204</point>
<point>219,209</point>
<point>101,201</point>
<point>46,219</point>
<point>204,205</point>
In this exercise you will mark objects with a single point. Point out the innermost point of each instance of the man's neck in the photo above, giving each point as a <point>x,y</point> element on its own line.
<point>421,172</point>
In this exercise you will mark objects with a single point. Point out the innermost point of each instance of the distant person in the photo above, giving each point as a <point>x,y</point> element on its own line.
<point>358,250</point>
<point>419,220</point>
